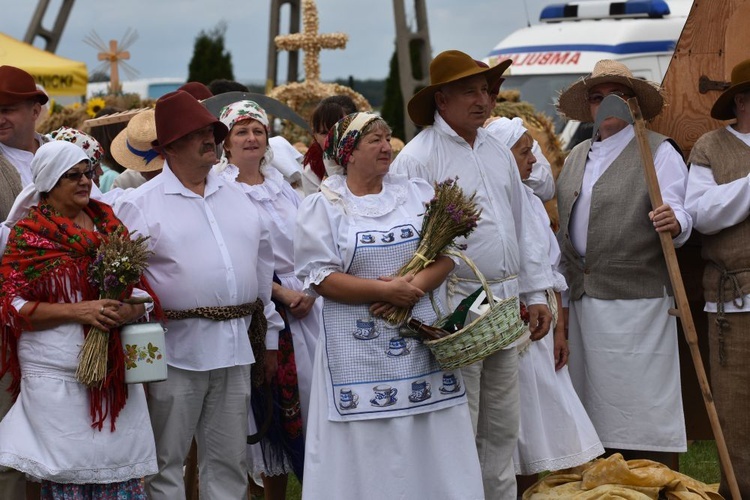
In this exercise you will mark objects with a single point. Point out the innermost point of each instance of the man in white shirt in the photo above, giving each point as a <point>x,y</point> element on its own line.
<point>212,265</point>
<point>718,199</point>
<point>505,246</point>
<point>624,361</point>
<point>541,180</point>
<point>20,105</point>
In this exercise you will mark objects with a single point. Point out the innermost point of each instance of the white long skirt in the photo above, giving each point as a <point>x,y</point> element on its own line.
<point>430,455</point>
<point>555,432</point>
<point>47,433</point>
<point>625,366</point>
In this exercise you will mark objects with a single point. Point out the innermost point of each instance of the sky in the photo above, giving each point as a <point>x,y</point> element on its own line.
<point>167,30</point>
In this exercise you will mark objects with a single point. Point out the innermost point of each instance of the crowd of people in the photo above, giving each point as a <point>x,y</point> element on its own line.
<point>278,291</point>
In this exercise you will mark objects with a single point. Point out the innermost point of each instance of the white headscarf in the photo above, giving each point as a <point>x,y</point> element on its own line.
<point>507,131</point>
<point>50,162</point>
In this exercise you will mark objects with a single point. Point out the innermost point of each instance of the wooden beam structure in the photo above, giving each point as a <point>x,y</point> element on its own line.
<point>274,28</point>
<point>413,75</point>
<point>50,36</point>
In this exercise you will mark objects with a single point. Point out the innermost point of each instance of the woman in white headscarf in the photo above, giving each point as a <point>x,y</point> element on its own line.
<point>555,432</point>
<point>80,442</point>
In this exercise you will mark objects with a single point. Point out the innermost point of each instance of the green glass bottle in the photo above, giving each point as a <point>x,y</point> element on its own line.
<point>457,318</point>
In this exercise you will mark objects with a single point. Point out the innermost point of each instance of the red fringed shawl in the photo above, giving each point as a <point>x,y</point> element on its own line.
<point>47,260</point>
<point>314,158</point>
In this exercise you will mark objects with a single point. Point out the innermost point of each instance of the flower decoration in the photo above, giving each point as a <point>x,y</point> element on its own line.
<point>95,105</point>
<point>119,264</point>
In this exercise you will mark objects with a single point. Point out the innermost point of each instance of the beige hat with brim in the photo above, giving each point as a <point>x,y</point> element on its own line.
<point>447,67</point>
<point>132,147</point>
<point>573,102</point>
<point>723,108</point>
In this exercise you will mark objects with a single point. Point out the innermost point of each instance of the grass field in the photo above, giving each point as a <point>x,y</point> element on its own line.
<point>701,462</point>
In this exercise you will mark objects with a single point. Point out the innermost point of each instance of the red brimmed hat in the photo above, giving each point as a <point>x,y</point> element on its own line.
<point>197,90</point>
<point>179,114</point>
<point>16,85</point>
<point>447,67</point>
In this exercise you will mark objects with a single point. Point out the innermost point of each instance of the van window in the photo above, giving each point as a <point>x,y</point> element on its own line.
<point>156,90</point>
<point>542,92</point>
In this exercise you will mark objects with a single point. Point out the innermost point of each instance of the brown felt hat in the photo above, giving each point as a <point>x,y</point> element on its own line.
<point>723,108</point>
<point>178,114</point>
<point>573,102</point>
<point>447,67</point>
<point>16,85</point>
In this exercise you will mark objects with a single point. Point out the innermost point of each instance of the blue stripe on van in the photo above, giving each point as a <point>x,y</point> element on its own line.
<point>622,48</point>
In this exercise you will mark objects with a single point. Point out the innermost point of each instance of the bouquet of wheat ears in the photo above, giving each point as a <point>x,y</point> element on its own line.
<point>119,264</point>
<point>450,214</point>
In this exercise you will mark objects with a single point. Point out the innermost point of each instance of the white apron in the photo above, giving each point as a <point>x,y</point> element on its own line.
<point>625,366</point>
<point>355,445</point>
<point>374,372</point>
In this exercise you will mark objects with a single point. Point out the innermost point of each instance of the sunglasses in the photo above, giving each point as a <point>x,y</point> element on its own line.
<point>597,97</point>
<point>75,176</point>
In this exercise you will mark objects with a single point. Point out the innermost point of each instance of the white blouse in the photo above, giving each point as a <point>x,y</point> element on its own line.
<point>210,250</point>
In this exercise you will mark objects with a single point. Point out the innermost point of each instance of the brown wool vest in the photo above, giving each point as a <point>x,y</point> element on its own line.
<point>623,254</point>
<point>729,159</point>
<point>10,186</point>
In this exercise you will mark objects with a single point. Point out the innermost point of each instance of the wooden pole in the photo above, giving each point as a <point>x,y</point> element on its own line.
<point>681,301</point>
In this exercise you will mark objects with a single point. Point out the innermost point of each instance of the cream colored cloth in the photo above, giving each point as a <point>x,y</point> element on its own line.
<point>613,478</point>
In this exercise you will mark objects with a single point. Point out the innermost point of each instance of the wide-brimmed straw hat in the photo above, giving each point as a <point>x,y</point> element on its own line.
<point>723,108</point>
<point>16,85</point>
<point>178,114</point>
<point>447,67</point>
<point>132,147</point>
<point>573,101</point>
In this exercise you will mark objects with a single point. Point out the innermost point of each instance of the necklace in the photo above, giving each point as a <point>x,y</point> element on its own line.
<point>83,221</point>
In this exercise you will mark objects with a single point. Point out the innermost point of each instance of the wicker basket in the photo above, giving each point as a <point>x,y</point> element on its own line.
<point>499,327</point>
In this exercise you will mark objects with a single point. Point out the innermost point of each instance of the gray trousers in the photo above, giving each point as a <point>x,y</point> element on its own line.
<point>212,406</point>
<point>492,389</point>
<point>12,482</point>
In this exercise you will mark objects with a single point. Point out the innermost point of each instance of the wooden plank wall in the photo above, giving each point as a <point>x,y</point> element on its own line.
<point>714,39</point>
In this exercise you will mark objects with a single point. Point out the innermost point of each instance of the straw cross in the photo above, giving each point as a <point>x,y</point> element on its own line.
<point>310,41</point>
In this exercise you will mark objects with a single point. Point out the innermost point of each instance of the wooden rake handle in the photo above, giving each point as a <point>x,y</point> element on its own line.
<point>681,301</point>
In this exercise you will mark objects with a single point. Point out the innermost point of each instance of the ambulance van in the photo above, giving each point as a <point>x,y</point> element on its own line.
<point>570,38</point>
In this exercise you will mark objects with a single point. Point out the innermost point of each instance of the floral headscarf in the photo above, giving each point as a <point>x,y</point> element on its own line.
<point>90,146</point>
<point>239,111</point>
<point>242,110</point>
<point>343,137</point>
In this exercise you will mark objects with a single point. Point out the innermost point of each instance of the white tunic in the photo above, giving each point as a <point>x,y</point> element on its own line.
<point>425,455</point>
<point>211,250</point>
<point>504,243</point>
<point>554,432</point>
<point>624,361</point>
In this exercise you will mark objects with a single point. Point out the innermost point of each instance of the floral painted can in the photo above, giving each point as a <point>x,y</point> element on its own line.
<point>145,352</point>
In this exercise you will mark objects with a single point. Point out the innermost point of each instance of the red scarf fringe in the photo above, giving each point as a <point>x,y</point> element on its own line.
<point>64,254</point>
